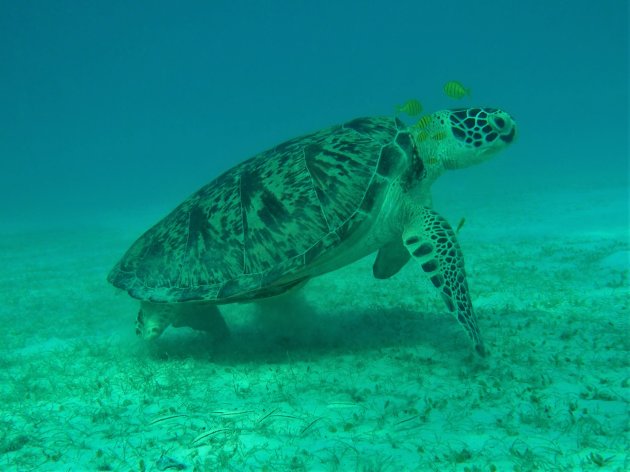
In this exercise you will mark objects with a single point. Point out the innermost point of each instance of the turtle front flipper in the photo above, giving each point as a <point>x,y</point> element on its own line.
<point>431,241</point>
<point>390,259</point>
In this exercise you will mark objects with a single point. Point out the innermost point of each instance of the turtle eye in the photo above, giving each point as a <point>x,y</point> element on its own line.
<point>503,126</point>
<point>499,123</point>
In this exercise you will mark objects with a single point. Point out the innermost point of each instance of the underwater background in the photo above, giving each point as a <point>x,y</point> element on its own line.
<point>112,113</point>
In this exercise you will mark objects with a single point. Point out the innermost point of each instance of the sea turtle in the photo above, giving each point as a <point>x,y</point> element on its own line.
<point>309,206</point>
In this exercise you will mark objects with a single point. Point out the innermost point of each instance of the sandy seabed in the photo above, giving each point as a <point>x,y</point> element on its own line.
<point>352,374</point>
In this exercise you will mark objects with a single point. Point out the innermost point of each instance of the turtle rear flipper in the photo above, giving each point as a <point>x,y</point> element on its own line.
<point>154,318</point>
<point>202,317</point>
<point>431,241</point>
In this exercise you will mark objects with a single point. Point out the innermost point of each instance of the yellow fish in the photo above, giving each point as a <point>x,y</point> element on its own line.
<point>423,122</point>
<point>411,107</point>
<point>423,136</point>
<point>456,90</point>
<point>439,136</point>
<point>460,225</point>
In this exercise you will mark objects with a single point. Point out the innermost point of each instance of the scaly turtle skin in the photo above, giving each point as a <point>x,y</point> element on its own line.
<point>309,206</point>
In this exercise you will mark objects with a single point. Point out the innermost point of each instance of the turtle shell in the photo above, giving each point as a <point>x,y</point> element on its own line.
<point>257,228</point>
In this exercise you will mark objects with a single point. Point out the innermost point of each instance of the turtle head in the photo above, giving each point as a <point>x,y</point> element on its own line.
<point>453,139</point>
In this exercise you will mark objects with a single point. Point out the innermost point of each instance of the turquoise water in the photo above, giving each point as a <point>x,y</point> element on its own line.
<point>113,113</point>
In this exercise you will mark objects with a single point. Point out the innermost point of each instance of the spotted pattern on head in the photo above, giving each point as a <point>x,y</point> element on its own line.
<point>268,217</point>
<point>474,126</point>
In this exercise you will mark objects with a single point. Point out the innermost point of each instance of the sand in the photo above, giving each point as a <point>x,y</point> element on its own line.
<point>351,374</point>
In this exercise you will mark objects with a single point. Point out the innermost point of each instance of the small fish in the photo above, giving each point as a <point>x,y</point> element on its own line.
<point>439,136</point>
<point>423,122</point>
<point>460,225</point>
<point>456,90</point>
<point>423,136</point>
<point>411,107</point>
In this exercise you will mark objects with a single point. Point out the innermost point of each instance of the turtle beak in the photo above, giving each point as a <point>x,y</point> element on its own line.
<point>511,136</point>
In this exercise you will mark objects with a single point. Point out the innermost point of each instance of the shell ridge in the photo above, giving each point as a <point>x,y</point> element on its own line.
<point>314,188</point>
